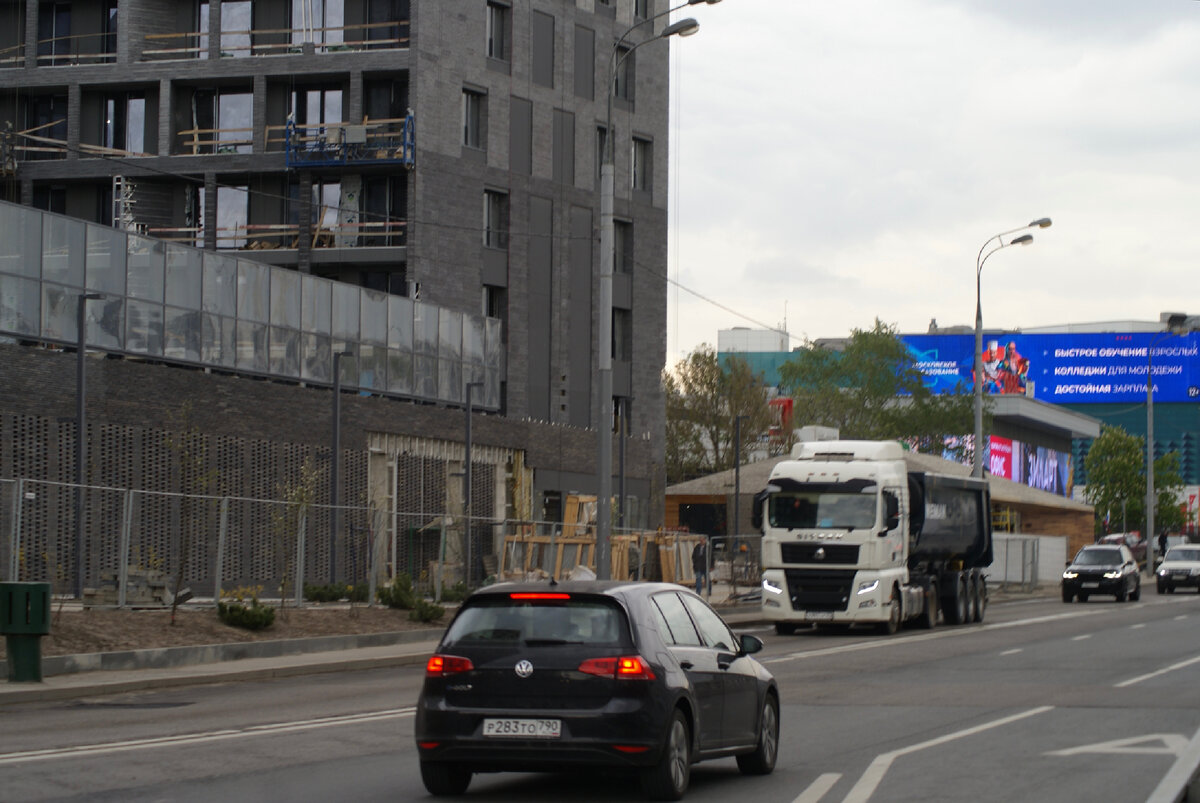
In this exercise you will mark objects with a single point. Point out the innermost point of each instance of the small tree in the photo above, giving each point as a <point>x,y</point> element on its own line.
<point>196,478</point>
<point>1115,471</point>
<point>298,494</point>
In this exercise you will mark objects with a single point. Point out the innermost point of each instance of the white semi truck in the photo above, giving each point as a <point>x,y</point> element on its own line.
<point>851,535</point>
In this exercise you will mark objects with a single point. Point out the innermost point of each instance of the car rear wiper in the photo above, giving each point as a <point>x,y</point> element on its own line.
<point>549,642</point>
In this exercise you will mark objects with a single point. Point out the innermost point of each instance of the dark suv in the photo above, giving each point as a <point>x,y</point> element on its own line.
<point>1102,569</point>
<point>643,677</point>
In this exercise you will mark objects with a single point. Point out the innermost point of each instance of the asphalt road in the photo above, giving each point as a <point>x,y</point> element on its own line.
<point>1044,702</point>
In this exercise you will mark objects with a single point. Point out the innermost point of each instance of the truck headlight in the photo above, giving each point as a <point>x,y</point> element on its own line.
<point>771,587</point>
<point>867,588</point>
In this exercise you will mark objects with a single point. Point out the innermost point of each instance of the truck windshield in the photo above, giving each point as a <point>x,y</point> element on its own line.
<point>823,508</point>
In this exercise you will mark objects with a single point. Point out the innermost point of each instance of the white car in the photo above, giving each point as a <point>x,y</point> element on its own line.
<point>1180,567</point>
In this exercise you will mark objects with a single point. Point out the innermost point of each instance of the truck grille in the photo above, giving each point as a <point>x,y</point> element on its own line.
<point>807,552</point>
<point>819,589</point>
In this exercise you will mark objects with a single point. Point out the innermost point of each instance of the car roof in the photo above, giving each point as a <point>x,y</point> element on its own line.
<point>604,587</point>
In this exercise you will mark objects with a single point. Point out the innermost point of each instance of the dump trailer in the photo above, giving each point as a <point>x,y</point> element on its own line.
<point>851,535</point>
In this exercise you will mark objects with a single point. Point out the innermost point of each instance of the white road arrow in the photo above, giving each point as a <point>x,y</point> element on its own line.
<point>1153,744</point>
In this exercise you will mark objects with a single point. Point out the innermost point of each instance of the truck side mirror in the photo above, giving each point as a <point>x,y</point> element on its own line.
<point>892,510</point>
<point>756,513</point>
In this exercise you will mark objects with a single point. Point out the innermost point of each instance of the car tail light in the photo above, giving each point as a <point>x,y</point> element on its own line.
<point>538,595</point>
<point>439,666</point>
<point>627,667</point>
<point>630,748</point>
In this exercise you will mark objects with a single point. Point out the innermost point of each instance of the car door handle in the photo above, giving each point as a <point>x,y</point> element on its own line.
<point>685,664</point>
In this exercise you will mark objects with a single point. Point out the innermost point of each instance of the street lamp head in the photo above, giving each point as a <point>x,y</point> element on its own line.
<point>1024,239</point>
<point>685,27</point>
<point>1040,223</point>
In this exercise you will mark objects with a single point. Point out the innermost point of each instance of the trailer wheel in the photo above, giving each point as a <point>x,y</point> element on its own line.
<point>981,596</point>
<point>928,620</point>
<point>889,627</point>
<point>956,606</point>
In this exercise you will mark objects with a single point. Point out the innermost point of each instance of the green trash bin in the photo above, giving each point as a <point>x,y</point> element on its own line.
<point>24,619</point>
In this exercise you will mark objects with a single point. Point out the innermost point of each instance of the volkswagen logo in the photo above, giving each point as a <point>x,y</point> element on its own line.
<point>820,553</point>
<point>523,669</point>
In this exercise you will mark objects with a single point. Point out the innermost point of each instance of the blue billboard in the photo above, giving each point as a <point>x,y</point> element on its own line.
<point>1070,368</point>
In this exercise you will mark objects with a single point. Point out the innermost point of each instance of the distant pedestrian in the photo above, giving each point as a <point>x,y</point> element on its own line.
<point>700,564</point>
<point>1162,543</point>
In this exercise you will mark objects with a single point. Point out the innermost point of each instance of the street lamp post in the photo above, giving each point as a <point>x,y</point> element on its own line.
<point>685,27</point>
<point>737,472</point>
<point>335,451</point>
<point>1174,327</point>
<point>80,429</point>
<point>1024,239</point>
<point>467,485</point>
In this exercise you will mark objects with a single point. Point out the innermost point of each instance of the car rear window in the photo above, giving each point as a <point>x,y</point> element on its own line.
<point>501,619</point>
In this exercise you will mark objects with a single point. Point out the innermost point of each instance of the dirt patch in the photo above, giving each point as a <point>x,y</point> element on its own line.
<point>77,632</point>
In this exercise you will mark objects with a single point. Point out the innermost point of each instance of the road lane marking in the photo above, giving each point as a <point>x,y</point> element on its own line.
<point>1156,673</point>
<point>817,789</point>
<point>877,643</point>
<point>1181,616</point>
<point>1013,651</point>
<point>870,779</point>
<point>1168,744</point>
<point>1084,637</point>
<point>1139,626</point>
<point>200,738</point>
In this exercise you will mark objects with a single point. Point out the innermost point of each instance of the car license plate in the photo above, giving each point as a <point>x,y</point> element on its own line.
<point>1091,585</point>
<point>818,616</point>
<point>522,728</point>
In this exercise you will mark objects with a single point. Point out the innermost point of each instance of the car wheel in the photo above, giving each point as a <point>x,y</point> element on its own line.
<point>445,778</point>
<point>668,779</point>
<point>1067,596</point>
<point>762,760</point>
<point>1083,597</point>
<point>892,624</point>
<point>785,628</point>
<point>1162,589</point>
<point>1136,594</point>
<point>1120,595</point>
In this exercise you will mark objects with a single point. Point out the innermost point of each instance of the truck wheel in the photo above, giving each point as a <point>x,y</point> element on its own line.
<point>784,628</point>
<point>981,597</point>
<point>889,627</point>
<point>955,606</point>
<point>928,620</point>
<point>972,599</point>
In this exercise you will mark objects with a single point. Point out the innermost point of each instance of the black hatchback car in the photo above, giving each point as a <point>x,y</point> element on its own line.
<point>643,677</point>
<point>1102,569</point>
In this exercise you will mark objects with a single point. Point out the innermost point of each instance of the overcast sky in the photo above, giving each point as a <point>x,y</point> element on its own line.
<point>843,161</point>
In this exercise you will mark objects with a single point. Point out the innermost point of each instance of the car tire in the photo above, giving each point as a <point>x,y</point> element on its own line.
<point>785,628</point>
<point>668,779</point>
<point>762,760</point>
<point>1136,594</point>
<point>1068,596</point>
<point>892,624</point>
<point>1162,589</point>
<point>1120,595</point>
<point>1083,597</point>
<point>444,778</point>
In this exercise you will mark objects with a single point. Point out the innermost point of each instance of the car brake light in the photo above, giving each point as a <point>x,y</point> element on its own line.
<point>630,748</point>
<point>627,667</point>
<point>439,666</point>
<point>537,595</point>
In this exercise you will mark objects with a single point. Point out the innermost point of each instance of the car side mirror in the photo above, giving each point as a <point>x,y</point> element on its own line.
<point>750,644</point>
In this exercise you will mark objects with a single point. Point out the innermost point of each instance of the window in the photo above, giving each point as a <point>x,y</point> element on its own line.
<point>497,31</point>
<point>715,632</point>
<point>320,21</point>
<point>641,9</point>
<point>230,113</point>
<point>473,110</point>
<point>125,122</point>
<point>676,626</point>
<point>54,33</point>
<point>542,49</point>
<point>236,22</point>
<point>622,334</point>
<point>110,26</point>
<point>624,77</point>
<point>495,219</point>
<point>622,246</point>
<point>642,164</point>
<point>384,210</point>
<point>315,106</point>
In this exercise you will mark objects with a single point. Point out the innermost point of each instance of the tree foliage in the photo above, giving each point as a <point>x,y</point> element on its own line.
<point>873,390</point>
<point>1116,487</point>
<point>704,399</point>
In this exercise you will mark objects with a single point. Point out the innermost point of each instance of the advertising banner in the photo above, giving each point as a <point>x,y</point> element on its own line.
<point>1038,467</point>
<point>1084,368</point>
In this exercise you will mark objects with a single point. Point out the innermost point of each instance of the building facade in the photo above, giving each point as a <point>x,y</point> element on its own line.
<point>435,156</point>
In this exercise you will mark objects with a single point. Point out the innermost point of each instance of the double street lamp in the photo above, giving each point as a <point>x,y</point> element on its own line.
<point>604,420</point>
<point>81,301</point>
<point>1024,239</point>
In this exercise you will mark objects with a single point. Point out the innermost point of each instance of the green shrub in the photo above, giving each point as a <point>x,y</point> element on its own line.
<point>358,593</point>
<point>426,612</point>
<point>455,593</point>
<point>398,593</point>
<point>333,592</point>
<point>251,616</point>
